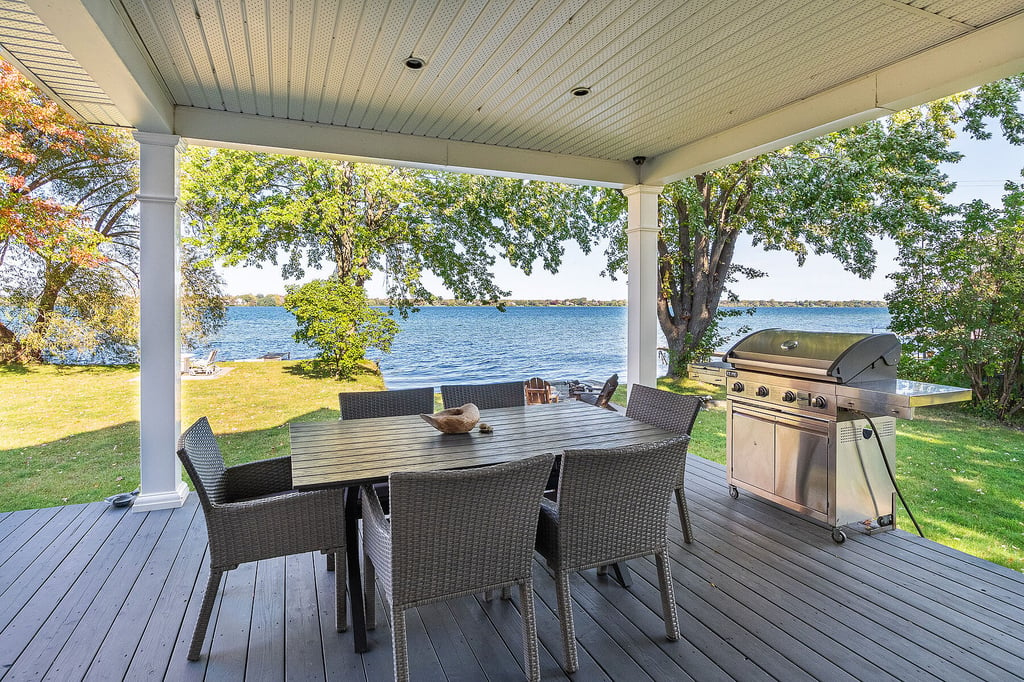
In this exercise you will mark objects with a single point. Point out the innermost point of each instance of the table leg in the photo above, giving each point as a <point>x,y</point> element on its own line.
<point>355,582</point>
<point>622,574</point>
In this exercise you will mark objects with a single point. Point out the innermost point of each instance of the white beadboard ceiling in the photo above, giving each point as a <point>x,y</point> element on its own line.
<point>666,76</point>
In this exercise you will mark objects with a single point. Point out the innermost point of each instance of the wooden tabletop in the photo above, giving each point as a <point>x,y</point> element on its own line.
<point>343,453</point>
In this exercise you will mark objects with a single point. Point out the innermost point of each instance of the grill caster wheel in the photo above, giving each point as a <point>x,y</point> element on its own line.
<point>734,492</point>
<point>838,536</point>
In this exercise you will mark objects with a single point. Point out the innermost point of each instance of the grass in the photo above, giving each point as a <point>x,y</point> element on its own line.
<point>962,475</point>
<point>71,434</point>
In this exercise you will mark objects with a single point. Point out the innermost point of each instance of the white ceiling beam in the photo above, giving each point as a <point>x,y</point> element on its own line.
<point>985,55</point>
<point>241,131</point>
<point>95,34</point>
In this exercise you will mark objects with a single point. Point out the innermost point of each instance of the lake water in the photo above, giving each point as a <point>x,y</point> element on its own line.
<point>440,345</point>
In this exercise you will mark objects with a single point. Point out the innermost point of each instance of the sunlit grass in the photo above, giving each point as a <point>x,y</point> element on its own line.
<point>71,434</point>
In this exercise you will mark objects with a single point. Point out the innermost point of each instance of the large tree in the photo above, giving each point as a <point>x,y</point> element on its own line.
<point>69,236</point>
<point>831,195</point>
<point>959,299</point>
<point>362,218</point>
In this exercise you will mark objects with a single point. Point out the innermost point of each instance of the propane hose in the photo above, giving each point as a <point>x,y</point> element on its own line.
<point>889,470</point>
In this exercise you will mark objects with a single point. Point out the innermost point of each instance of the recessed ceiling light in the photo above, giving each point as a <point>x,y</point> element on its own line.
<point>415,63</point>
<point>580,91</point>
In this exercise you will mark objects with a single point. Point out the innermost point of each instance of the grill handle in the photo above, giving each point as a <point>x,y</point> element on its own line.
<point>777,368</point>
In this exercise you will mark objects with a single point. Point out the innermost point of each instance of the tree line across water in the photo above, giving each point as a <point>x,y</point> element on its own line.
<point>257,300</point>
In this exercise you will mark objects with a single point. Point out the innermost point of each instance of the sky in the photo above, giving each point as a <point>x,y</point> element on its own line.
<point>979,175</point>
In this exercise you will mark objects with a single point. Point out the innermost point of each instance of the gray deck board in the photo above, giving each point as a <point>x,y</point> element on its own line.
<point>88,592</point>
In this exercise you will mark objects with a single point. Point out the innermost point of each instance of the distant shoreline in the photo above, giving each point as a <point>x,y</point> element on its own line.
<point>587,303</point>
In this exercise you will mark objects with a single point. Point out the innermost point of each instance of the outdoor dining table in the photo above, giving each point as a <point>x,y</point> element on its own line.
<point>349,453</point>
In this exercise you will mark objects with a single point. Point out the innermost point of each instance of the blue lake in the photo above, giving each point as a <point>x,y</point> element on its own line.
<point>468,345</point>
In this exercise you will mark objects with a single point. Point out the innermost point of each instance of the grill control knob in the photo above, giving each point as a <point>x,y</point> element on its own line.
<point>789,397</point>
<point>762,391</point>
<point>820,402</point>
<point>738,386</point>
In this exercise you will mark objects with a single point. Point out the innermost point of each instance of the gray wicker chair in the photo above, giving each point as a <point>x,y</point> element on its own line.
<point>604,397</point>
<point>612,506</point>
<point>368,404</point>
<point>484,396</point>
<point>451,534</point>
<point>252,513</point>
<point>672,412</point>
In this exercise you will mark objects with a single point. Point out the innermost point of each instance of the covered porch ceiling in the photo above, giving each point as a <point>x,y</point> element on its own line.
<point>687,84</point>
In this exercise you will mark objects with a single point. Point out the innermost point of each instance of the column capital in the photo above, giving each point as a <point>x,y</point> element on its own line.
<point>643,189</point>
<point>159,139</point>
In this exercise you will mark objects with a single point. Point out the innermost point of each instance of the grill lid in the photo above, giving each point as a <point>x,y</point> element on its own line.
<point>829,356</point>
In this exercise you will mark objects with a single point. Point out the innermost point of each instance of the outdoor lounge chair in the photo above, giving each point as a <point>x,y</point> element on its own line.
<point>451,534</point>
<point>603,398</point>
<point>204,366</point>
<point>484,396</point>
<point>252,513</point>
<point>672,412</point>
<point>611,507</point>
<point>539,392</point>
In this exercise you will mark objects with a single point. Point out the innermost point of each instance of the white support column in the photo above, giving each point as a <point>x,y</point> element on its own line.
<point>160,402</point>
<point>642,302</point>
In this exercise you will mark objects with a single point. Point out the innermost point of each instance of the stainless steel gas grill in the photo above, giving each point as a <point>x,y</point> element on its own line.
<point>798,427</point>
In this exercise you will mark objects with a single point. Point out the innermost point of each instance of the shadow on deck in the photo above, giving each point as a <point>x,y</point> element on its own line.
<point>92,592</point>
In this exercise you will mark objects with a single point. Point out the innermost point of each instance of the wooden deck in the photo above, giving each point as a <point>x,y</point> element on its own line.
<point>97,593</point>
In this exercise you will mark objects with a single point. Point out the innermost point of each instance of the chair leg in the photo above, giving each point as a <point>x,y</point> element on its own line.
<point>212,585</point>
<point>330,562</point>
<point>340,587</point>
<point>506,593</point>
<point>684,516</point>
<point>668,596</point>
<point>399,644</point>
<point>369,593</point>
<point>529,615</point>
<point>572,662</point>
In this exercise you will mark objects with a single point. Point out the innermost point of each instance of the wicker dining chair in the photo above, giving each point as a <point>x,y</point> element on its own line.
<point>484,396</point>
<point>451,534</point>
<point>672,412</point>
<point>252,513</point>
<point>612,506</point>
<point>604,397</point>
<point>369,404</point>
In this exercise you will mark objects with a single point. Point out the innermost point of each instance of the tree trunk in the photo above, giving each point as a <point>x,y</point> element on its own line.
<point>55,278</point>
<point>10,348</point>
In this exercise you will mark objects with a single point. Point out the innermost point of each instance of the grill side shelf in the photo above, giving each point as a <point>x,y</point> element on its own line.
<point>897,397</point>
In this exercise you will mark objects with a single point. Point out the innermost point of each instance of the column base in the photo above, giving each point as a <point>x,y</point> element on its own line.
<point>167,499</point>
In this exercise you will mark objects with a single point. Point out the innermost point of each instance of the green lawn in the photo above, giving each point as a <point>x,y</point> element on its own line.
<point>71,435</point>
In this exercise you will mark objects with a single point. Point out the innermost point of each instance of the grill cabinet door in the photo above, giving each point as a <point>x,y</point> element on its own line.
<point>752,450</point>
<point>801,463</point>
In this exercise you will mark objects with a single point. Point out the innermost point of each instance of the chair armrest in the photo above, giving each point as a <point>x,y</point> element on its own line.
<point>290,523</point>
<point>254,479</point>
<point>377,536</point>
